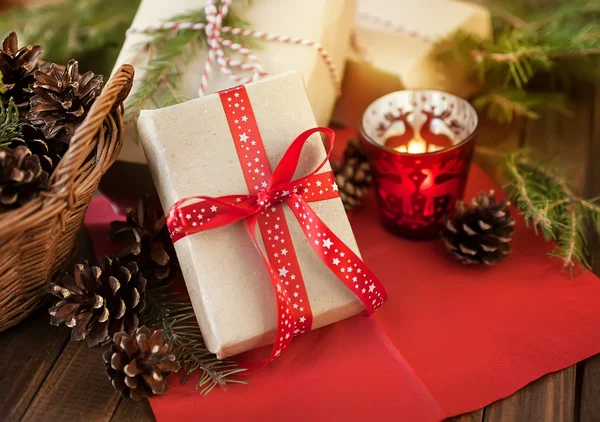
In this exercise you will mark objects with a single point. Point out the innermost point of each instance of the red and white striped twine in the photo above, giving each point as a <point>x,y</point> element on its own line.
<point>248,61</point>
<point>393,26</point>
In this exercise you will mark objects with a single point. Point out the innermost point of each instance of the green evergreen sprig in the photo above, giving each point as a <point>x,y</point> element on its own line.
<point>533,59</point>
<point>93,31</point>
<point>549,204</point>
<point>10,127</point>
<point>171,312</point>
<point>164,57</point>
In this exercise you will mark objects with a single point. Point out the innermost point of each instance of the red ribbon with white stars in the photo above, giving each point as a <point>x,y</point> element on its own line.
<point>263,206</point>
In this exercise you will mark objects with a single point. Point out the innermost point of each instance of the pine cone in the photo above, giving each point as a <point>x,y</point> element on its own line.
<point>21,177</point>
<point>147,238</point>
<point>17,66</point>
<point>353,175</point>
<point>480,234</point>
<point>62,99</point>
<point>98,302</point>
<point>48,152</point>
<point>138,364</point>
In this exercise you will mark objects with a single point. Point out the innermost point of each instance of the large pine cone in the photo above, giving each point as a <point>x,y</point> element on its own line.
<point>17,66</point>
<point>62,99</point>
<point>21,177</point>
<point>481,233</point>
<point>353,175</point>
<point>146,235</point>
<point>138,364</point>
<point>98,302</point>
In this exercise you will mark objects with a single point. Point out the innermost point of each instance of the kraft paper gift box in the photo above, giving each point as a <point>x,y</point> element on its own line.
<point>190,152</point>
<point>384,60</point>
<point>326,22</point>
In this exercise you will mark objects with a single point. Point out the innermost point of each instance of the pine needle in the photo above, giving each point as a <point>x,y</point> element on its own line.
<point>506,104</point>
<point>10,127</point>
<point>173,313</point>
<point>534,58</point>
<point>165,55</point>
<point>547,202</point>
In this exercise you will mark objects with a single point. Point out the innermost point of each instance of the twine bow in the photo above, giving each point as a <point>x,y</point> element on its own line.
<point>248,62</point>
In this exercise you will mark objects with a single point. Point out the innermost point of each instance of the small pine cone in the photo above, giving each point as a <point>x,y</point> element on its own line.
<point>146,235</point>
<point>17,67</point>
<point>138,364</point>
<point>21,177</point>
<point>49,153</point>
<point>62,98</point>
<point>353,175</point>
<point>480,234</point>
<point>98,302</point>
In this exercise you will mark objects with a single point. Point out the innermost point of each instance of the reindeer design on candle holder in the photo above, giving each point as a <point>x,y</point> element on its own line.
<point>419,155</point>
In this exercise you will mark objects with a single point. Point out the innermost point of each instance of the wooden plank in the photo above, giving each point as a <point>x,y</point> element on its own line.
<point>549,399</point>
<point>76,389</point>
<point>590,390</point>
<point>492,136</point>
<point>567,139</point>
<point>29,351</point>
<point>129,410</point>
<point>476,416</point>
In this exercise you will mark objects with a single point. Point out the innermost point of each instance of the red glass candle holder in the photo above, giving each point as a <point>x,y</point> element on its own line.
<point>420,145</point>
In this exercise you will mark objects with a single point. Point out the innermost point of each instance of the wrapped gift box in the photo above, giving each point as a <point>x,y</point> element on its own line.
<point>385,60</point>
<point>191,152</point>
<point>326,22</point>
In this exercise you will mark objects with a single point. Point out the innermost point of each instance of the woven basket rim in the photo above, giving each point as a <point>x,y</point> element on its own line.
<point>62,189</point>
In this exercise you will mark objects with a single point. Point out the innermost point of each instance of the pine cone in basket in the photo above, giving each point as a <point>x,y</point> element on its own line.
<point>353,175</point>
<point>138,364</point>
<point>147,238</point>
<point>99,301</point>
<point>62,99</point>
<point>21,177</point>
<point>48,151</point>
<point>17,66</point>
<point>479,234</point>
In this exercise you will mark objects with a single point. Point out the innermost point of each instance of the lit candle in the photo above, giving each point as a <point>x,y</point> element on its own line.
<point>419,145</point>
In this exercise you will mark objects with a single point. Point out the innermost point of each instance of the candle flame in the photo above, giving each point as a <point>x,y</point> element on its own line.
<point>418,146</point>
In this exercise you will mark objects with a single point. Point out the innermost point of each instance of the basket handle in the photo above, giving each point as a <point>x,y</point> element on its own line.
<point>85,137</point>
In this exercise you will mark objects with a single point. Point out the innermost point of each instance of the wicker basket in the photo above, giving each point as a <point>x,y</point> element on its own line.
<point>37,240</point>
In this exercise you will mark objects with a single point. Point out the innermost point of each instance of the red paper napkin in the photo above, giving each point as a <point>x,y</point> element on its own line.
<point>474,335</point>
<point>451,338</point>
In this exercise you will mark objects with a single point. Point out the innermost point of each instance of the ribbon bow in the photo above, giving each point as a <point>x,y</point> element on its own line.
<point>263,207</point>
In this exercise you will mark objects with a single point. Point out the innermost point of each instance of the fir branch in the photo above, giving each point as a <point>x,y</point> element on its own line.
<point>172,313</point>
<point>523,200</point>
<point>545,199</point>
<point>532,54</point>
<point>165,54</point>
<point>506,104</point>
<point>10,127</point>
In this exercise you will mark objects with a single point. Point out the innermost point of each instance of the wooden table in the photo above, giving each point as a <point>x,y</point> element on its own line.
<point>45,377</point>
